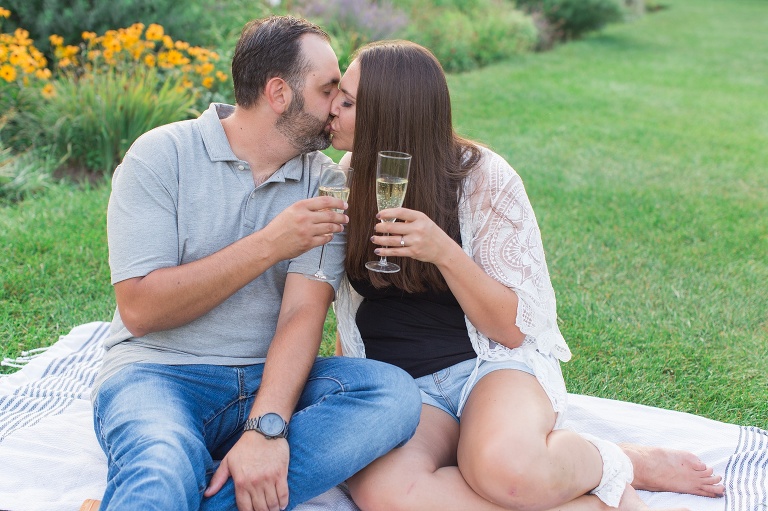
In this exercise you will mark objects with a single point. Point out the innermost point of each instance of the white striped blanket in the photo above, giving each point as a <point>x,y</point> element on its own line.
<point>50,459</point>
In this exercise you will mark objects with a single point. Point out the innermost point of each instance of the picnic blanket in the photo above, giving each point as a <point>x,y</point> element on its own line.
<point>50,459</point>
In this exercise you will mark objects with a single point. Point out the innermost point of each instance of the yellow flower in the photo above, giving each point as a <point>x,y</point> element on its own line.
<point>155,32</point>
<point>71,51</point>
<point>204,69</point>
<point>17,58</point>
<point>22,36</point>
<point>150,61</point>
<point>48,91</point>
<point>87,36</point>
<point>175,58</point>
<point>43,74</point>
<point>4,13</point>
<point>221,76</point>
<point>8,73</point>
<point>208,82</point>
<point>136,29</point>
<point>187,84</point>
<point>112,43</point>
<point>181,45</point>
<point>56,40</point>
<point>167,41</point>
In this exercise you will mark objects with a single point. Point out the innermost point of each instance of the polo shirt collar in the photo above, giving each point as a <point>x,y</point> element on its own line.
<point>218,148</point>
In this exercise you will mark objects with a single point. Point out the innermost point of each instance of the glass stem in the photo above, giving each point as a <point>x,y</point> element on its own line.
<point>383,259</point>
<point>322,258</point>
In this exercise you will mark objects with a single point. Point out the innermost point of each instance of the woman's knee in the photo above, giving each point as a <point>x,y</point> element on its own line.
<point>507,477</point>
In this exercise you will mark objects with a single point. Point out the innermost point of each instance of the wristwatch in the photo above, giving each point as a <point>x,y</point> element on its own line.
<point>271,425</point>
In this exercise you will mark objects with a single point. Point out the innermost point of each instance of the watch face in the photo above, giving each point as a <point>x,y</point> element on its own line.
<point>271,424</point>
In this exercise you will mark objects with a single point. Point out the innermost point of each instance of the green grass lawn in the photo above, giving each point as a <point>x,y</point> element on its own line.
<point>644,149</point>
<point>645,152</point>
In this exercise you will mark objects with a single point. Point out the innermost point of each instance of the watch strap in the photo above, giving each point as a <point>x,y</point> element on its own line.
<point>254,424</point>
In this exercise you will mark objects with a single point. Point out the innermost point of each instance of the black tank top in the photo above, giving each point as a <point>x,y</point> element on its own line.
<point>421,333</point>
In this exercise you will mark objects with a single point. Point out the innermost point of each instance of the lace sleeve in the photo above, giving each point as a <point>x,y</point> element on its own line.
<point>506,243</point>
<point>345,307</point>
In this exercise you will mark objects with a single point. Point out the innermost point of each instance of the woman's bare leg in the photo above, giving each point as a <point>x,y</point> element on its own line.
<point>509,454</point>
<point>423,476</point>
<point>420,476</point>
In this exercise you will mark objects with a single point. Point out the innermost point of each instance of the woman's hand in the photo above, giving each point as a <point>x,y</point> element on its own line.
<point>416,236</point>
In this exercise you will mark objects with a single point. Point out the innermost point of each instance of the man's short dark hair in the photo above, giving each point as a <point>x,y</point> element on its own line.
<point>268,48</point>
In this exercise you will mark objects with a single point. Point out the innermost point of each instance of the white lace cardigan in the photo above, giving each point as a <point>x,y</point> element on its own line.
<point>499,232</point>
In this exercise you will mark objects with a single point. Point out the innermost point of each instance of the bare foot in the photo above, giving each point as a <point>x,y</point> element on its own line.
<point>631,501</point>
<point>659,469</point>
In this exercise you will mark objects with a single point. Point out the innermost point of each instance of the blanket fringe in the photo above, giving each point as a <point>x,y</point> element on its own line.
<point>25,358</point>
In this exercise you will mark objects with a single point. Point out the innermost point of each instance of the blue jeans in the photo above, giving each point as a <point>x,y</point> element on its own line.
<point>163,428</point>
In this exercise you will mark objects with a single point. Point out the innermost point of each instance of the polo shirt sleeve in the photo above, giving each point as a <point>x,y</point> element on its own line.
<point>142,228</point>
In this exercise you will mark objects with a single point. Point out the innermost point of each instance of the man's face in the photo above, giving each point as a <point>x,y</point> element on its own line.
<point>306,122</point>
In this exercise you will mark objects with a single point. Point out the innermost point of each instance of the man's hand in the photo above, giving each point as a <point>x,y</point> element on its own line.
<point>305,225</point>
<point>259,468</point>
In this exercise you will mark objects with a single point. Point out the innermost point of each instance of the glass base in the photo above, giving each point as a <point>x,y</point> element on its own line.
<point>320,276</point>
<point>382,266</point>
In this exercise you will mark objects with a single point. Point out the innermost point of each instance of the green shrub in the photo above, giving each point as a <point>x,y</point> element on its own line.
<point>503,34</point>
<point>466,35</point>
<point>573,18</point>
<point>353,23</point>
<point>24,174</point>
<point>95,118</point>
<point>69,18</point>
<point>463,34</point>
<point>449,34</point>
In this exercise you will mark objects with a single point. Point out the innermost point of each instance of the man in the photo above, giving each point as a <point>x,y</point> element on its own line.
<point>212,350</point>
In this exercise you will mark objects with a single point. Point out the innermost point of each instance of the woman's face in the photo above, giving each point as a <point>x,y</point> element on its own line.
<point>343,109</point>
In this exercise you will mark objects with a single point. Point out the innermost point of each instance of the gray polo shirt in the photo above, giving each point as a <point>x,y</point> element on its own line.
<point>181,194</point>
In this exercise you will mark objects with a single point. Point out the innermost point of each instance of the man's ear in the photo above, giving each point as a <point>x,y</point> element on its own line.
<point>278,94</point>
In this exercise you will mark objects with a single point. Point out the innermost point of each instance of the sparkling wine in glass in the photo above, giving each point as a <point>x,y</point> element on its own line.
<point>391,182</point>
<point>334,182</point>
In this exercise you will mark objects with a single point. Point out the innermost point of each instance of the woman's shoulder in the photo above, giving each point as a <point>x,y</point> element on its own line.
<point>492,164</point>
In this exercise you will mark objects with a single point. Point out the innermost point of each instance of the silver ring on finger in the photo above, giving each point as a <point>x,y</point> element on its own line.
<point>402,240</point>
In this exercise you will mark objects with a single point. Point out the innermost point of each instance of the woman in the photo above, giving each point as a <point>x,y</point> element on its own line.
<point>471,316</point>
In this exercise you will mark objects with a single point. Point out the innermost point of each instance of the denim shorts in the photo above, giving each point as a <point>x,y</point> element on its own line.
<point>443,388</point>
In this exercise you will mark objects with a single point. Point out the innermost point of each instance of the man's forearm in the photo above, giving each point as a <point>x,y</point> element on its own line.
<point>292,352</point>
<point>170,297</point>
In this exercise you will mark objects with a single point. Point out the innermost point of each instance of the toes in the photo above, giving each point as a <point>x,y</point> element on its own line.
<point>713,490</point>
<point>697,464</point>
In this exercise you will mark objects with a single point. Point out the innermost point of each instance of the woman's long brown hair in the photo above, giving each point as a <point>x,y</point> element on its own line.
<point>403,104</point>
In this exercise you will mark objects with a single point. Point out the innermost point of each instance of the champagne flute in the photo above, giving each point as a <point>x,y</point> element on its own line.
<point>334,182</point>
<point>391,182</point>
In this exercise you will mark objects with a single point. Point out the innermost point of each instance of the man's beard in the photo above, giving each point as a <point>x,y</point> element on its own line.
<point>304,132</point>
